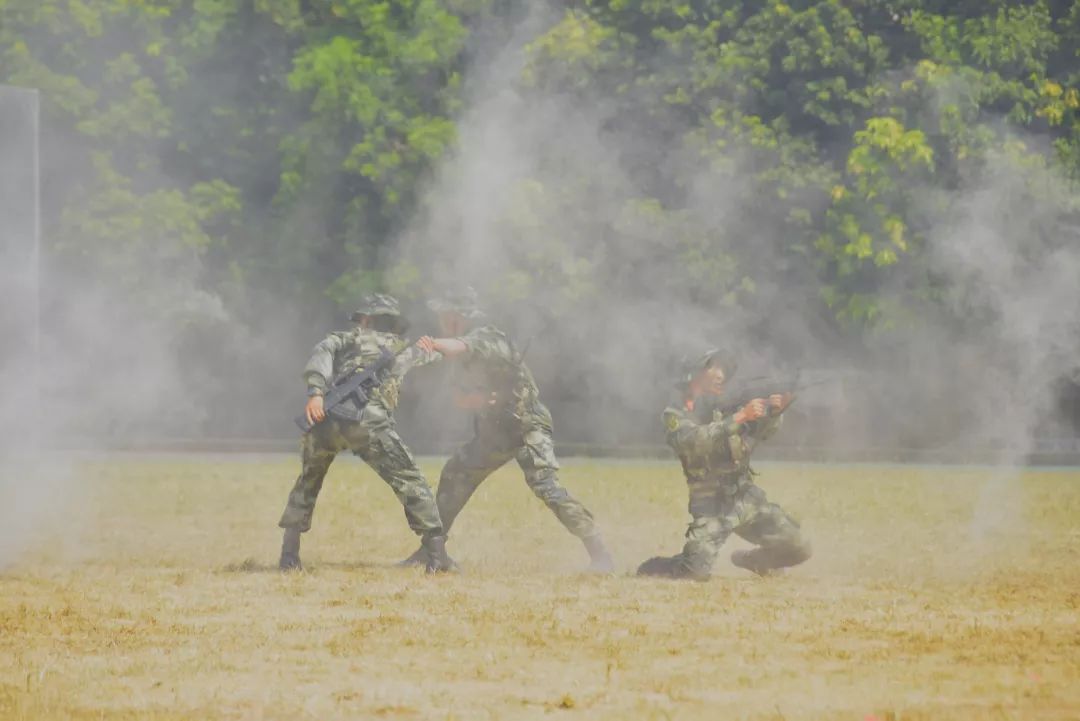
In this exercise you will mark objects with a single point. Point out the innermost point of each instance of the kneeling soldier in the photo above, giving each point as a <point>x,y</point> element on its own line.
<point>715,453</point>
<point>367,430</point>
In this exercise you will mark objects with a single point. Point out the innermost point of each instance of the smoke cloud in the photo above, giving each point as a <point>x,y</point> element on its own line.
<point>605,271</point>
<point>543,207</point>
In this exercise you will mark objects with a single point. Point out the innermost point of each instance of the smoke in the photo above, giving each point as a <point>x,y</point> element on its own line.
<point>547,207</point>
<point>1010,262</point>
<point>608,249</point>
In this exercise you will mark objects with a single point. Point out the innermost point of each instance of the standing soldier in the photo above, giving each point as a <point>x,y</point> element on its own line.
<point>510,422</point>
<point>367,430</point>
<point>715,453</point>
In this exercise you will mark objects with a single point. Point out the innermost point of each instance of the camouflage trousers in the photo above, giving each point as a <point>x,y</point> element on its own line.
<point>374,439</point>
<point>748,514</point>
<point>530,444</point>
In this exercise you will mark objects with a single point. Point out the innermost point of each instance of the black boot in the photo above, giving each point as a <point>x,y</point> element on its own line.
<point>600,560</point>
<point>750,561</point>
<point>418,558</point>
<point>771,561</point>
<point>664,567</point>
<point>290,551</point>
<point>436,558</point>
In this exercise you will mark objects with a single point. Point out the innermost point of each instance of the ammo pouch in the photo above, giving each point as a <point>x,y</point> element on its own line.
<point>715,501</point>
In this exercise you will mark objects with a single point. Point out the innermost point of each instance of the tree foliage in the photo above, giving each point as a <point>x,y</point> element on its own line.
<point>286,144</point>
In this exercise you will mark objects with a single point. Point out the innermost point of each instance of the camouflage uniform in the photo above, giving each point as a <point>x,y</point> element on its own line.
<point>515,426</point>
<point>715,454</point>
<point>373,437</point>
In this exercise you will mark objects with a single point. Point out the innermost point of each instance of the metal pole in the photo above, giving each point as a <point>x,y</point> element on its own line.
<point>20,269</point>
<point>35,274</point>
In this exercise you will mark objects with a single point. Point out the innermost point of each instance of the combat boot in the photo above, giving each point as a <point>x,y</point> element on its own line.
<point>751,560</point>
<point>664,567</point>
<point>436,558</point>
<point>771,561</point>
<point>600,560</point>
<point>290,551</point>
<point>418,558</point>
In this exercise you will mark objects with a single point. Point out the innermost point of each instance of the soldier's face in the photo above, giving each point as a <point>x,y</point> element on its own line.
<point>710,381</point>
<point>452,324</point>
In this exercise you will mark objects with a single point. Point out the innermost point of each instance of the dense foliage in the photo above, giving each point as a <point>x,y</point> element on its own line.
<point>224,159</point>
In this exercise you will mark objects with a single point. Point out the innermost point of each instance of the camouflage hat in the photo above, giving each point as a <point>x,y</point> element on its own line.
<point>692,364</point>
<point>377,304</point>
<point>463,301</point>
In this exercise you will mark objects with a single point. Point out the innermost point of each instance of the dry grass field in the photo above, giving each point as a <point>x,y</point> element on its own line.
<point>148,591</point>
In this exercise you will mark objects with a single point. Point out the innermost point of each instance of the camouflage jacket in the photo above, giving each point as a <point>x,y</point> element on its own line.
<point>491,364</point>
<point>714,449</point>
<point>343,352</point>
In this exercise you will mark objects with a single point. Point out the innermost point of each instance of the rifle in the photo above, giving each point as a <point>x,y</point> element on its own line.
<point>763,387</point>
<point>358,386</point>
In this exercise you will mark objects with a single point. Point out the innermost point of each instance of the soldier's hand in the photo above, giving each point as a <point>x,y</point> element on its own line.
<point>751,411</point>
<point>314,410</point>
<point>426,343</point>
<point>779,401</point>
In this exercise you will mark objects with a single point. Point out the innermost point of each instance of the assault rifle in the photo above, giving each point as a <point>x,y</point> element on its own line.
<point>358,387</point>
<point>742,393</point>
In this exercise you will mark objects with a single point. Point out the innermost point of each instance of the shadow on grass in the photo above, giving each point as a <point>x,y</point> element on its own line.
<point>250,565</point>
<point>357,565</point>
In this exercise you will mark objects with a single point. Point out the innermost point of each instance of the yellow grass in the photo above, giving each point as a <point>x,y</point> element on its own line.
<point>151,594</point>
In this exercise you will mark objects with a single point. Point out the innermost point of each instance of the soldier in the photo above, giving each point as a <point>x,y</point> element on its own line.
<point>715,454</point>
<point>367,431</point>
<point>510,422</point>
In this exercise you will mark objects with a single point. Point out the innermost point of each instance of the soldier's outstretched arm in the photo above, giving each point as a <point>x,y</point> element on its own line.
<point>411,357</point>
<point>447,347</point>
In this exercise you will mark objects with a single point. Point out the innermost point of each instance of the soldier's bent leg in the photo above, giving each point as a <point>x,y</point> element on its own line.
<point>537,460</point>
<point>460,477</point>
<point>466,470</point>
<point>780,541</point>
<point>704,537</point>
<point>390,457</point>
